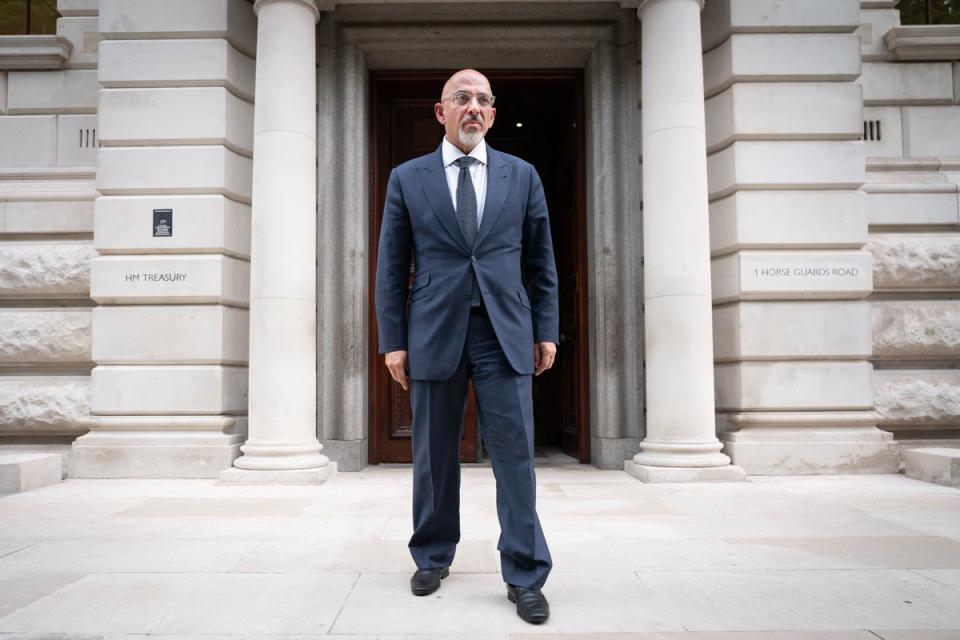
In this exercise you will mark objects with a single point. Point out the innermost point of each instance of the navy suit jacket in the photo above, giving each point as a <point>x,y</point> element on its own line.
<point>512,257</point>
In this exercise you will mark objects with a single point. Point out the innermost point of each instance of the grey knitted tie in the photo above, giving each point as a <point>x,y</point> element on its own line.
<point>467,215</point>
<point>466,200</point>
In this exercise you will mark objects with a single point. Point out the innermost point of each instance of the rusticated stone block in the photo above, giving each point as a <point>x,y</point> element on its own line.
<point>47,405</point>
<point>922,397</point>
<point>44,336</point>
<point>902,261</point>
<point>67,91</point>
<point>916,329</point>
<point>232,19</point>
<point>912,83</point>
<point>45,271</point>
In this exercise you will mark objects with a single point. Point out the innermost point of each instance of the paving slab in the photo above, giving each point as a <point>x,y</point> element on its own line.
<point>359,556</point>
<point>913,634</point>
<point>705,635</point>
<point>473,604</point>
<point>223,506</point>
<point>772,558</point>
<point>936,521</point>
<point>187,604</point>
<point>23,588</point>
<point>213,528</point>
<point>132,556</point>
<point>804,600</point>
<point>947,577</point>
<point>10,546</point>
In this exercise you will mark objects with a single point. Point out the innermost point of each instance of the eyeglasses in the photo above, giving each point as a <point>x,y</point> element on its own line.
<point>463,98</point>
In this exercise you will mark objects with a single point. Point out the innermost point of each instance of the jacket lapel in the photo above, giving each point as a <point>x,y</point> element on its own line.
<point>498,183</point>
<point>435,187</point>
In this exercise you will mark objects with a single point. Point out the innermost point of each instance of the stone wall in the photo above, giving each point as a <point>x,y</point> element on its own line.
<point>172,228</point>
<point>48,143</point>
<point>912,115</point>
<point>788,226</point>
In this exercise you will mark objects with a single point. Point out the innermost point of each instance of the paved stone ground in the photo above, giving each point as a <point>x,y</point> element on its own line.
<point>787,558</point>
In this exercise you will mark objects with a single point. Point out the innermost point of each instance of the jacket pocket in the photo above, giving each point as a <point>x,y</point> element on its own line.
<point>419,287</point>
<point>524,300</point>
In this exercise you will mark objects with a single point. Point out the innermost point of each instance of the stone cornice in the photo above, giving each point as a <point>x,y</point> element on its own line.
<point>34,52</point>
<point>310,4</point>
<point>924,42</point>
<point>43,173</point>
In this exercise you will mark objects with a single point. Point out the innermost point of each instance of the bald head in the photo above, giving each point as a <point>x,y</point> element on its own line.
<point>470,77</point>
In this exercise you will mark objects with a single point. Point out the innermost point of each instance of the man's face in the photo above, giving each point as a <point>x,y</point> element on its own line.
<point>466,124</point>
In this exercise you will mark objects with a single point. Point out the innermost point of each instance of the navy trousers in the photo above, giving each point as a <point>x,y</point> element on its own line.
<point>505,412</point>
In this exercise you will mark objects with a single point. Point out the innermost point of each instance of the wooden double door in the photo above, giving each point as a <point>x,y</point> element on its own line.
<point>540,119</point>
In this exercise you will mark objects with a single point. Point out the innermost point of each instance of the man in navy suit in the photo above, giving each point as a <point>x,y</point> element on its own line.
<point>482,306</point>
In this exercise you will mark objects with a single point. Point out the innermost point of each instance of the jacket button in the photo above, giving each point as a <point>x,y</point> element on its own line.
<point>474,258</point>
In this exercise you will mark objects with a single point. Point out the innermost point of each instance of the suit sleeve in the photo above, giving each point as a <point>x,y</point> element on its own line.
<point>393,268</point>
<point>539,265</point>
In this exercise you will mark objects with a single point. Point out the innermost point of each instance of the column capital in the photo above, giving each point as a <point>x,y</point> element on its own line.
<point>646,3</point>
<point>310,4</point>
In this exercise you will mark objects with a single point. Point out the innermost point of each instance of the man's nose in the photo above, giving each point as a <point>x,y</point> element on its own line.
<point>474,105</point>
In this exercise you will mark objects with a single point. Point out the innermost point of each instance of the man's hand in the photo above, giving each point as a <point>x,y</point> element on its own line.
<point>543,355</point>
<point>397,365</point>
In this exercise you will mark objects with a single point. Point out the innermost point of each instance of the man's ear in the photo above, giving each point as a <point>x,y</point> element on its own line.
<point>438,111</point>
<point>493,116</point>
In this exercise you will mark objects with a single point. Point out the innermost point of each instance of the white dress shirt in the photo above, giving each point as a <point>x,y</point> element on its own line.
<point>478,172</point>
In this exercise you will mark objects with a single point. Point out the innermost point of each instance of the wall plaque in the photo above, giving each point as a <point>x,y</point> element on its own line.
<point>786,275</point>
<point>162,223</point>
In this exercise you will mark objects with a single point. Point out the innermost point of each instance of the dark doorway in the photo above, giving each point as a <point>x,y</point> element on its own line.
<point>540,119</point>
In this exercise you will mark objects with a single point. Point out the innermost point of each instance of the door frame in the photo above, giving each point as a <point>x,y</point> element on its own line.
<point>379,396</point>
<point>601,39</point>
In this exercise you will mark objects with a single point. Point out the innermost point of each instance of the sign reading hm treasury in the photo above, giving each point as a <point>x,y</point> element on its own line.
<point>154,277</point>
<point>188,278</point>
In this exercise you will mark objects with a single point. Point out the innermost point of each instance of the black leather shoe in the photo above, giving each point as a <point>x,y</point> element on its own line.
<point>532,605</point>
<point>426,581</point>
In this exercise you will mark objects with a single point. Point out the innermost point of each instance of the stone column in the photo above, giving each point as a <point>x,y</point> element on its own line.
<point>282,444</point>
<point>680,443</point>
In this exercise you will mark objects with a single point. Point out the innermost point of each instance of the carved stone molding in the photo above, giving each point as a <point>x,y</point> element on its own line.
<point>310,4</point>
<point>924,42</point>
<point>33,52</point>
<point>644,3</point>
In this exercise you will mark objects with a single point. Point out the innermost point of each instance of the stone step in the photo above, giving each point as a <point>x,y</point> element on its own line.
<point>25,471</point>
<point>934,464</point>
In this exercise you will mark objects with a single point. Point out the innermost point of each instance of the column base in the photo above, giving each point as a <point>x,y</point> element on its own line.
<point>681,454</point>
<point>317,475</point>
<point>810,443</point>
<point>157,447</point>
<point>270,456</point>
<point>648,473</point>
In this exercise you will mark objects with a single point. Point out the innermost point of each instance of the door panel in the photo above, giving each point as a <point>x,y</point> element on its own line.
<point>548,105</point>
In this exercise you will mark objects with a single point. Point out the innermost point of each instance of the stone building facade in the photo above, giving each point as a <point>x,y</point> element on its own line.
<point>771,231</point>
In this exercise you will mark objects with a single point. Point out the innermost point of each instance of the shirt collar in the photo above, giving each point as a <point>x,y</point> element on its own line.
<point>451,153</point>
